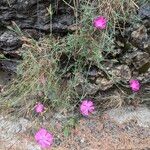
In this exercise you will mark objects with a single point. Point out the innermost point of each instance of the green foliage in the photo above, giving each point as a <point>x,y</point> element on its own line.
<point>69,126</point>
<point>82,48</point>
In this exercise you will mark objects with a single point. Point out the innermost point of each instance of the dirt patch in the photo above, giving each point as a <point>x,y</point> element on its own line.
<point>105,132</point>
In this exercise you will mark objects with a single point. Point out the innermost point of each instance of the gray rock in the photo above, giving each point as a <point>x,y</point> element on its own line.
<point>137,58</point>
<point>147,45</point>
<point>93,72</point>
<point>140,59</point>
<point>9,65</point>
<point>14,134</point>
<point>83,87</point>
<point>5,78</point>
<point>104,83</point>
<point>32,17</point>
<point>9,41</point>
<point>34,14</point>
<point>126,114</point>
<point>120,73</point>
<point>144,11</point>
<point>140,38</point>
<point>90,89</point>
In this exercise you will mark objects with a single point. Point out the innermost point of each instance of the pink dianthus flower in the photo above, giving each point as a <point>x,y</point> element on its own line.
<point>135,85</point>
<point>39,107</point>
<point>44,138</point>
<point>100,22</point>
<point>86,107</point>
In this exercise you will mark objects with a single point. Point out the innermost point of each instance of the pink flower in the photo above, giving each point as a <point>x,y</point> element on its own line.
<point>44,138</point>
<point>135,85</point>
<point>86,107</point>
<point>100,22</point>
<point>39,108</point>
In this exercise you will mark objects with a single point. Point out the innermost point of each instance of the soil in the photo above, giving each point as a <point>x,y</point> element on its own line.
<point>116,129</point>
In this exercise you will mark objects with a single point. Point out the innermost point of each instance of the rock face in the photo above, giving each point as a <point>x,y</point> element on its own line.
<point>32,17</point>
<point>35,15</point>
<point>9,41</point>
<point>144,11</point>
<point>140,38</point>
<point>129,59</point>
<point>10,135</point>
<point>36,18</point>
<point>121,115</point>
<point>9,65</point>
